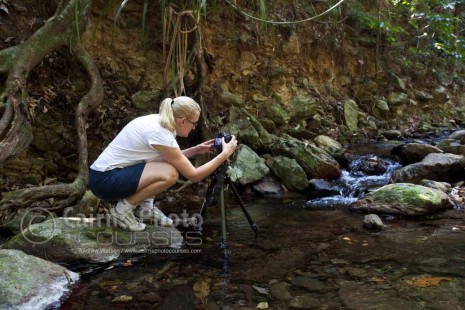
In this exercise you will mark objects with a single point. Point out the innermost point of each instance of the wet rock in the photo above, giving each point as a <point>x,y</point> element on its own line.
<point>280,291</point>
<point>442,186</point>
<point>28,282</point>
<point>403,199</point>
<point>413,152</point>
<point>212,306</point>
<point>372,165</point>
<point>457,135</point>
<point>438,167</point>
<point>269,187</point>
<point>357,295</point>
<point>276,265</point>
<point>179,298</point>
<point>320,188</point>
<point>306,301</point>
<point>308,283</point>
<point>451,145</point>
<point>391,134</point>
<point>373,222</point>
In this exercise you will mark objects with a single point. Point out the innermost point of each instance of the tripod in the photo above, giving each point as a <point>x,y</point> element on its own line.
<point>215,195</point>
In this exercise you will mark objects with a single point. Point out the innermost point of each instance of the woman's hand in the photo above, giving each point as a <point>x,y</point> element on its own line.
<point>229,148</point>
<point>205,147</point>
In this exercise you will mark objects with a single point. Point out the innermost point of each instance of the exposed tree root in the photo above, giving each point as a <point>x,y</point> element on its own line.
<point>15,125</point>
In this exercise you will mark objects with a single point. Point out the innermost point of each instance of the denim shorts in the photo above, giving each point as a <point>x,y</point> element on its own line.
<point>117,183</point>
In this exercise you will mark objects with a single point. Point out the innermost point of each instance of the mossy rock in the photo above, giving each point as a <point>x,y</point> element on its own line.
<point>403,199</point>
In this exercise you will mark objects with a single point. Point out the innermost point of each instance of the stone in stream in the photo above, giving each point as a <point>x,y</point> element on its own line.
<point>373,222</point>
<point>28,282</point>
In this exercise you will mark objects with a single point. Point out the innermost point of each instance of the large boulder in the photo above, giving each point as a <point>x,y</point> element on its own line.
<point>351,115</point>
<point>403,199</point>
<point>303,107</point>
<point>287,170</point>
<point>314,161</point>
<point>248,167</point>
<point>29,282</point>
<point>277,113</point>
<point>245,132</point>
<point>328,144</point>
<point>413,152</point>
<point>73,240</point>
<point>248,129</point>
<point>435,166</point>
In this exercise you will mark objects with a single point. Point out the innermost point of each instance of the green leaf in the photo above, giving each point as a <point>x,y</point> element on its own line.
<point>76,18</point>
<point>144,16</point>
<point>116,21</point>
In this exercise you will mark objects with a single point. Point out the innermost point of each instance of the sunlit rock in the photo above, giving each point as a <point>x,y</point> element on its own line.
<point>403,199</point>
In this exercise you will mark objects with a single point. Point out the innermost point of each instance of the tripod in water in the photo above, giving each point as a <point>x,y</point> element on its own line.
<point>215,195</point>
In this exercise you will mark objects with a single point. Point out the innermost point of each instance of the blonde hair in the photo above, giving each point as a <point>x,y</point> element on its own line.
<point>179,107</point>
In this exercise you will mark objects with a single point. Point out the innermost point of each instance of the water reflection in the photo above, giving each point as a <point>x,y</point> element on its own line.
<point>310,254</point>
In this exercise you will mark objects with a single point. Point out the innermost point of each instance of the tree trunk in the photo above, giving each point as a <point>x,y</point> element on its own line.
<point>15,124</point>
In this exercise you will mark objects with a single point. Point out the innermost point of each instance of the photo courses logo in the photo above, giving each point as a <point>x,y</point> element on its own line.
<point>39,225</point>
<point>32,233</point>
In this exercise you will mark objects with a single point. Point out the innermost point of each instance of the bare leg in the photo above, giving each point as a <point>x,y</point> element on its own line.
<point>156,177</point>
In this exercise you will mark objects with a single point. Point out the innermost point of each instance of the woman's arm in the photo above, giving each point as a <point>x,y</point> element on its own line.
<point>175,157</point>
<point>202,148</point>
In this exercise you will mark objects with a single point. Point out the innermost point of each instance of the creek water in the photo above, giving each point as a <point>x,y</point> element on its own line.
<point>309,255</point>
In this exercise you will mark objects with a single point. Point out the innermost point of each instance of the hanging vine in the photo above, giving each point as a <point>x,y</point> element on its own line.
<point>177,26</point>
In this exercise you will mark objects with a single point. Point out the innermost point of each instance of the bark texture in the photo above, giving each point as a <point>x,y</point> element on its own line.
<point>61,30</point>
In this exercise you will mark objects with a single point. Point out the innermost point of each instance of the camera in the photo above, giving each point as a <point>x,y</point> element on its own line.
<point>217,144</point>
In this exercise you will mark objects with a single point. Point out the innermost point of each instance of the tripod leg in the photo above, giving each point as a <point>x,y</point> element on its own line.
<point>246,213</point>
<point>208,198</point>
<point>224,234</point>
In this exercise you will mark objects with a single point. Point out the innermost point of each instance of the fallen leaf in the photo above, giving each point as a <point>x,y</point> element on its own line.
<point>429,281</point>
<point>201,289</point>
<point>262,305</point>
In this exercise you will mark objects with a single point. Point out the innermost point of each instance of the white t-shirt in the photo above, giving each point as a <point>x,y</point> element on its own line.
<point>133,144</point>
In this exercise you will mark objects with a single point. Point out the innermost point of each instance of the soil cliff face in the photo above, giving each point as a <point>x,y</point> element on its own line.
<point>359,85</point>
<point>329,61</point>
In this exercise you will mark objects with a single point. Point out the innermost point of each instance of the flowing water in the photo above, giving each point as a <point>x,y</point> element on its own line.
<point>309,255</point>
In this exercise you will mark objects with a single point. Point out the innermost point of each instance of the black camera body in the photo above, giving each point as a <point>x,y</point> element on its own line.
<point>217,144</point>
